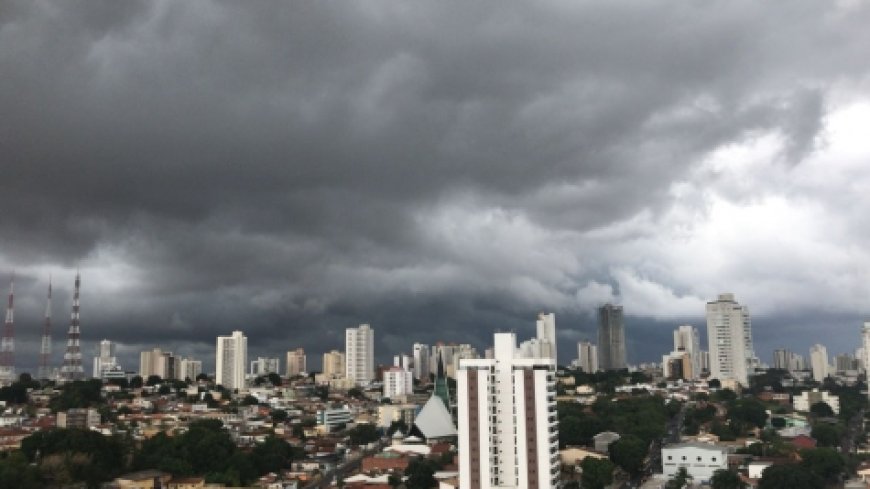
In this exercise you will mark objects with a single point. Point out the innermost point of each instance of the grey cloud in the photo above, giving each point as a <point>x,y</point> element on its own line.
<point>292,170</point>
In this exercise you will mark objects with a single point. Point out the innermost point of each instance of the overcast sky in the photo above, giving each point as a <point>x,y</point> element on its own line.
<point>437,169</point>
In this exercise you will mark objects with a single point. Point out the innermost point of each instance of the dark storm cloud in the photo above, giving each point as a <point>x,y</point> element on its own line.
<point>438,170</point>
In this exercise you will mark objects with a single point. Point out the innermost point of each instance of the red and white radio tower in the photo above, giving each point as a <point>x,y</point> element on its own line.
<point>72,359</point>
<point>45,351</point>
<point>7,343</point>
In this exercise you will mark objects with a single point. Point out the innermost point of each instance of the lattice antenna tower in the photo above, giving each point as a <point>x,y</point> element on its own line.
<point>72,359</point>
<point>45,349</point>
<point>7,342</point>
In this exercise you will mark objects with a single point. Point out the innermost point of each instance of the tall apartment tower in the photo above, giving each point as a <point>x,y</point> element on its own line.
<point>546,329</point>
<point>158,362</point>
<point>231,360</point>
<point>729,335</point>
<point>421,362</point>
<point>334,364</point>
<point>508,433</point>
<point>189,368</point>
<point>687,339</point>
<point>297,362</point>
<point>360,354</point>
<point>105,359</point>
<point>611,338</point>
<point>819,362</point>
<point>587,356</point>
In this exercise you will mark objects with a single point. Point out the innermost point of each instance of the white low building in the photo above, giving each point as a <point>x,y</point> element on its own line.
<point>700,460</point>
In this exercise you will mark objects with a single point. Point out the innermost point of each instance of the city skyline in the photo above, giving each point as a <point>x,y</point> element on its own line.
<point>293,171</point>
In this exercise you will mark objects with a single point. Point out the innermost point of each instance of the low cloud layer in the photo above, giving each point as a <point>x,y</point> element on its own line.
<point>439,171</point>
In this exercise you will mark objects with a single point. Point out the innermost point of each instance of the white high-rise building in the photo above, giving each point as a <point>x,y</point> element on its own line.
<point>398,381</point>
<point>333,364</point>
<point>819,362</point>
<point>189,368</point>
<point>508,433</point>
<point>297,362</point>
<point>105,359</point>
<point>231,360</point>
<point>587,356</point>
<point>729,335</point>
<point>360,354</point>
<point>265,366</point>
<point>421,362</point>
<point>687,339</point>
<point>546,329</point>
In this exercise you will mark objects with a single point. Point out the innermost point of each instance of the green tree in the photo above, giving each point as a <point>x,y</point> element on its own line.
<point>597,473</point>
<point>78,394</point>
<point>421,474</point>
<point>274,379</point>
<point>629,453</point>
<point>249,400</point>
<point>82,455</point>
<point>136,382</point>
<point>789,476</point>
<point>363,433</point>
<point>826,463</point>
<point>747,413</point>
<point>821,409</point>
<point>273,455</point>
<point>153,380</point>
<point>278,415</point>
<point>680,479</point>
<point>725,479</point>
<point>16,472</point>
<point>826,435</point>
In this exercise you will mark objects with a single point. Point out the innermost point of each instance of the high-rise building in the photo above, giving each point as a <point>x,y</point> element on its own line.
<point>421,362</point>
<point>334,364</point>
<point>265,366</point>
<point>157,362</point>
<point>611,338</point>
<point>105,359</point>
<point>508,433</point>
<point>403,361</point>
<point>587,356</point>
<point>781,359</point>
<point>398,381</point>
<point>729,334</point>
<point>189,368</point>
<point>231,358</point>
<point>297,362</point>
<point>360,354</point>
<point>546,329</point>
<point>845,363</point>
<point>687,339</point>
<point>819,362</point>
